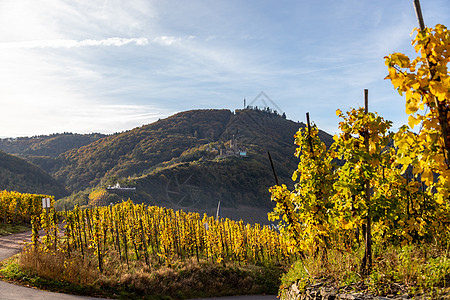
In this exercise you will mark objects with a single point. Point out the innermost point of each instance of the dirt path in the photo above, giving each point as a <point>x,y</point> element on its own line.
<point>13,244</point>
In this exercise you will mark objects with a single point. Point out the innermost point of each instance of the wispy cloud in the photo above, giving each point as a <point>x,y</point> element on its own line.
<point>75,115</point>
<point>170,40</point>
<point>67,65</point>
<point>66,43</point>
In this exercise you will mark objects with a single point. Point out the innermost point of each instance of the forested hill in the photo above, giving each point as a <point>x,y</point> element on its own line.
<point>134,152</point>
<point>47,145</point>
<point>138,151</point>
<point>175,162</point>
<point>16,174</point>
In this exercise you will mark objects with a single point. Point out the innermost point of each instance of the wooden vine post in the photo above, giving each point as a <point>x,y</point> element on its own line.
<point>273,168</point>
<point>309,135</point>
<point>367,260</point>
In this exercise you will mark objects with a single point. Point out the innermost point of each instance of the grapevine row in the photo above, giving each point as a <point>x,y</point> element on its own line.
<point>149,234</point>
<point>19,208</point>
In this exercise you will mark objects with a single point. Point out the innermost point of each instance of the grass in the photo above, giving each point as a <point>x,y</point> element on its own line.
<point>6,229</point>
<point>10,270</point>
<point>413,270</point>
<point>181,280</point>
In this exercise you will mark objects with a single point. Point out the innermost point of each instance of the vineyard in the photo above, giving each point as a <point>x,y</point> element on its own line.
<point>137,233</point>
<point>133,248</point>
<point>20,208</point>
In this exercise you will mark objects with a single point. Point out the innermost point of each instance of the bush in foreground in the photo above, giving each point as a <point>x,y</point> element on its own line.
<point>416,271</point>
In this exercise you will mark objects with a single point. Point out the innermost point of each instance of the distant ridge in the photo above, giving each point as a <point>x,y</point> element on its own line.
<point>47,145</point>
<point>18,175</point>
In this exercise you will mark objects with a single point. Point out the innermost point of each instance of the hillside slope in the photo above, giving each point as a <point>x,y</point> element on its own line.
<point>17,174</point>
<point>43,150</point>
<point>47,145</point>
<point>138,151</point>
<point>131,153</point>
<point>175,162</point>
<point>199,178</point>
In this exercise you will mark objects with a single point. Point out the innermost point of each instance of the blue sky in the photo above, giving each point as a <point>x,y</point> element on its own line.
<point>109,66</point>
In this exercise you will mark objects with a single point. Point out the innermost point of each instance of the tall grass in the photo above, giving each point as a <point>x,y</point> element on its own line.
<point>183,279</point>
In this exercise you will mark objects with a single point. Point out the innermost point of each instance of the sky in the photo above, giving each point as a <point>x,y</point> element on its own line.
<point>109,66</point>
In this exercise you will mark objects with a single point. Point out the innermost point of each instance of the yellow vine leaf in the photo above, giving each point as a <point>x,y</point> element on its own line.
<point>411,107</point>
<point>404,160</point>
<point>346,224</point>
<point>413,121</point>
<point>438,90</point>
<point>427,176</point>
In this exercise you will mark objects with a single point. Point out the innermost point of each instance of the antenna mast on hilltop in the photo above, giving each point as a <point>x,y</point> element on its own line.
<point>244,103</point>
<point>263,97</point>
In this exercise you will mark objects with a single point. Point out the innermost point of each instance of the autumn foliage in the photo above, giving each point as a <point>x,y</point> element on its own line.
<point>374,185</point>
<point>147,235</point>
<point>425,82</point>
<point>20,207</point>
